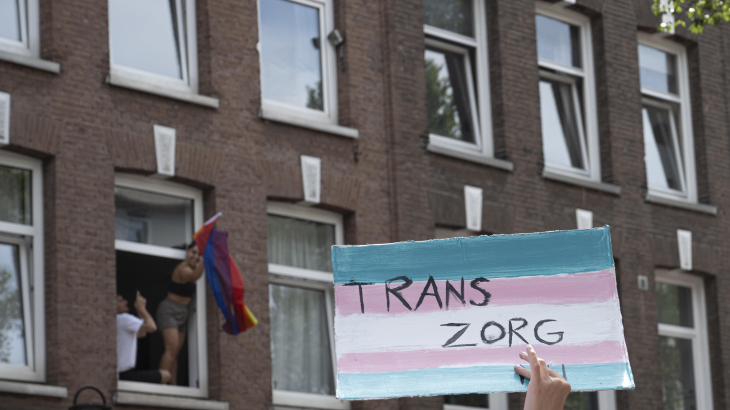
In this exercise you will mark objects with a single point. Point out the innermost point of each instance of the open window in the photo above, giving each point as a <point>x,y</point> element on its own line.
<point>22,323</point>
<point>154,42</point>
<point>567,93</point>
<point>683,345</point>
<point>154,220</point>
<point>301,305</point>
<point>298,66</point>
<point>457,81</point>
<point>667,119</point>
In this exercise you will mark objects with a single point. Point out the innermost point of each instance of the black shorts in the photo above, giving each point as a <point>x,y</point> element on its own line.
<point>145,376</point>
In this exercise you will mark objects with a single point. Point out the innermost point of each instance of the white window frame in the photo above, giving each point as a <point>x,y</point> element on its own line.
<point>588,128</point>
<point>197,345</point>
<point>293,114</point>
<point>29,44</point>
<point>188,51</point>
<point>312,279</point>
<point>479,97</point>
<point>697,334</point>
<point>684,141</point>
<point>30,241</point>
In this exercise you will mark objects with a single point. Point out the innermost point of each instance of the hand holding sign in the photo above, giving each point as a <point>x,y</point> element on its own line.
<point>547,390</point>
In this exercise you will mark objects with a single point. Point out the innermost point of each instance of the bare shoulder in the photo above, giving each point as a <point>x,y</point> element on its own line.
<point>181,269</point>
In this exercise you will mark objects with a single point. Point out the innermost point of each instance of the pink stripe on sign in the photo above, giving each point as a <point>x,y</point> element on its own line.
<point>586,287</point>
<point>393,361</point>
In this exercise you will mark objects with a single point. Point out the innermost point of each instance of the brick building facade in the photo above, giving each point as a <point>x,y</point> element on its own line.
<point>82,131</point>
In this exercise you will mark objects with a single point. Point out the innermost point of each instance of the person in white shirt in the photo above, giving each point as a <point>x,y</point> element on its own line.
<point>129,329</point>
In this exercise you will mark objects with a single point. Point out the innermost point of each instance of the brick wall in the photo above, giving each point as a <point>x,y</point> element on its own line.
<point>385,183</point>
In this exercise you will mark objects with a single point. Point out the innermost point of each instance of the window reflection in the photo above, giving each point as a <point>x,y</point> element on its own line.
<point>452,15</point>
<point>145,35</point>
<point>15,196</point>
<point>557,41</point>
<point>582,401</point>
<point>658,70</point>
<point>10,19</point>
<point>155,219</point>
<point>12,328</point>
<point>674,304</point>
<point>447,95</point>
<point>561,137</point>
<point>678,384</point>
<point>661,149</point>
<point>291,62</point>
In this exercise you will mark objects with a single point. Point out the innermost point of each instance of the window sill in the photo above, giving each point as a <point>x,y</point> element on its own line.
<point>308,400</point>
<point>467,156</point>
<point>275,116</point>
<point>122,81</point>
<point>33,389</point>
<point>691,206</point>
<point>45,65</point>
<point>154,400</point>
<point>599,186</point>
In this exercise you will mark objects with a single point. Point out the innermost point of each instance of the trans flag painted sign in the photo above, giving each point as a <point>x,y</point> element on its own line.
<point>450,316</point>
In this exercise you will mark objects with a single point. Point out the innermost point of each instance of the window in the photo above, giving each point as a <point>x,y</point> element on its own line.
<point>154,220</point>
<point>666,118</point>
<point>301,305</point>
<point>298,67</point>
<point>22,345</point>
<point>154,42</point>
<point>683,346</point>
<point>19,32</point>
<point>457,82</point>
<point>567,93</point>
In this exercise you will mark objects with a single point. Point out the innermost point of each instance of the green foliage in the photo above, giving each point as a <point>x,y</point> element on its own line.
<point>314,97</point>
<point>440,105</point>
<point>699,13</point>
<point>10,314</point>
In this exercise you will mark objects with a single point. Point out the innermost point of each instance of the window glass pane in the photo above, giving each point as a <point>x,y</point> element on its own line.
<point>12,332</point>
<point>447,95</point>
<point>452,15</point>
<point>15,199</point>
<point>300,243</point>
<point>300,347</point>
<point>469,400</point>
<point>291,62</point>
<point>678,384</point>
<point>155,219</point>
<point>557,41</point>
<point>660,156</point>
<point>674,304</point>
<point>10,19</point>
<point>561,140</point>
<point>144,35</point>
<point>658,69</point>
<point>582,401</point>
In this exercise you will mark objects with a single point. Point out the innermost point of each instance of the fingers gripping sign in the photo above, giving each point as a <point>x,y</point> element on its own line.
<point>547,390</point>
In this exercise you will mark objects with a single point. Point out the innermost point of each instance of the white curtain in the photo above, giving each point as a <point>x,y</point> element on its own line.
<point>300,243</point>
<point>300,349</point>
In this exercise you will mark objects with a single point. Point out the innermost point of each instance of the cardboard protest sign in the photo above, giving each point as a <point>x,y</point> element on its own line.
<point>450,316</point>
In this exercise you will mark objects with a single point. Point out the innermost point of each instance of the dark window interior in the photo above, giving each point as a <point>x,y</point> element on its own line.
<point>150,275</point>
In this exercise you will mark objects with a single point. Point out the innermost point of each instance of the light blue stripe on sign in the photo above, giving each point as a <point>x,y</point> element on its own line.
<point>497,256</point>
<point>478,379</point>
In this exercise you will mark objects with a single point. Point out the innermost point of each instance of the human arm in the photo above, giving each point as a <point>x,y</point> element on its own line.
<point>547,390</point>
<point>149,325</point>
<point>188,274</point>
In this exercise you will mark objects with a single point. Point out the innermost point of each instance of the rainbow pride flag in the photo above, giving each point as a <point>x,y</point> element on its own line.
<point>224,277</point>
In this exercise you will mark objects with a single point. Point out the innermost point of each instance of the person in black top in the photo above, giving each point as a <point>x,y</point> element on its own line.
<point>172,313</point>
